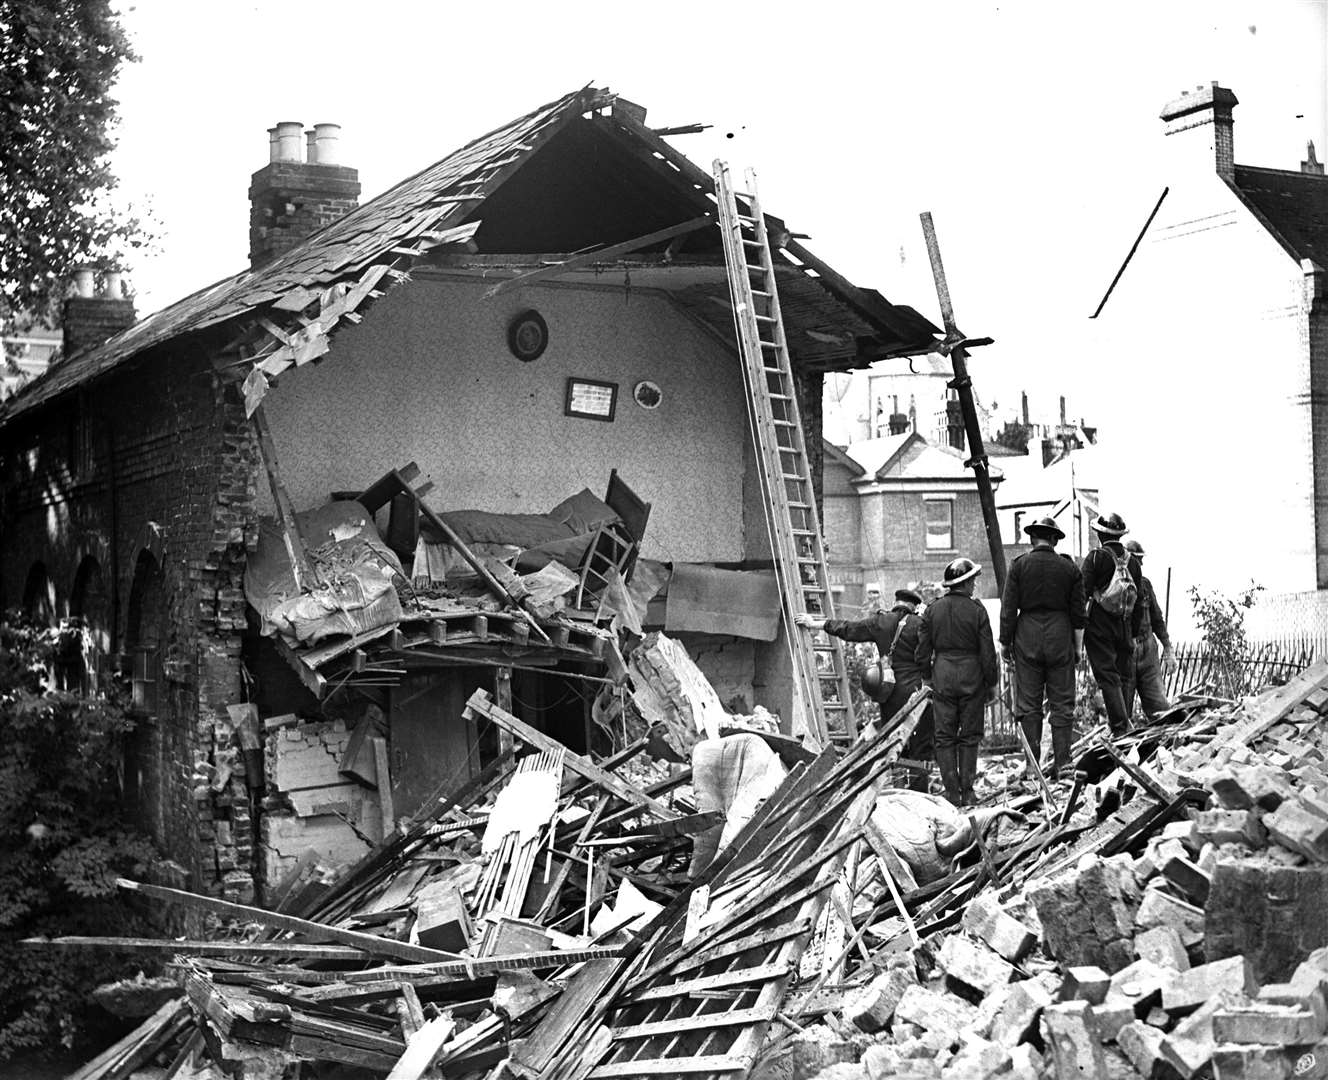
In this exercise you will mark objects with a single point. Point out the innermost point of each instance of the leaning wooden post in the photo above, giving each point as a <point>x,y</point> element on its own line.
<point>290,529</point>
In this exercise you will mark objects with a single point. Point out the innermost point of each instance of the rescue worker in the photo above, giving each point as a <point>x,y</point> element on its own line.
<point>957,654</point>
<point>1109,636</point>
<point>1042,638</point>
<point>895,634</point>
<point>1148,668</point>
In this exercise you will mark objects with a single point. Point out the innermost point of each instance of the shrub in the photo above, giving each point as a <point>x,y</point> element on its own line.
<point>1221,619</point>
<point>63,840</point>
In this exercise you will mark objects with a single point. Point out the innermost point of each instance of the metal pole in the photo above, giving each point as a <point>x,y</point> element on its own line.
<point>963,385</point>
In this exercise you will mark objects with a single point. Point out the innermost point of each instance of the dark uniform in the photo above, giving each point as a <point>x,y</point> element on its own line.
<point>880,628</point>
<point>1041,607</point>
<point>956,651</point>
<point>1108,638</point>
<point>1147,665</point>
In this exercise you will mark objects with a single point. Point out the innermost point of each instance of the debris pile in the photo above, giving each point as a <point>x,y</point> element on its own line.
<point>1166,915</point>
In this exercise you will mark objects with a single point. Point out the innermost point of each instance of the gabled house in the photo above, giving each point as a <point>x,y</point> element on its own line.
<point>232,492</point>
<point>1212,343</point>
<point>897,510</point>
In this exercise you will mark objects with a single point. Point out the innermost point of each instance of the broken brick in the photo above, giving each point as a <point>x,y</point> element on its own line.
<point>1087,914</point>
<point>1141,985</point>
<point>977,1059</point>
<point>973,964</point>
<point>987,921</point>
<point>1159,908</point>
<point>1188,878</point>
<point>934,1011</point>
<point>1300,829</point>
<point>1142,1045</point>
<point>1088,984</point>
<point>1253,1063</point>
<point>1110,1017</point>
<point>1199,984</point>
<point>1189,1047</point>
<point>1075,1051</point>
<point>1229,827</point>
<point>1271,1025</point>
<point>1018,1015</point>
<point>871,1008</point>
<point>1309,999</point>
<point>1274,914</point>
<point>1162,945</point>
<point>1244,787</point>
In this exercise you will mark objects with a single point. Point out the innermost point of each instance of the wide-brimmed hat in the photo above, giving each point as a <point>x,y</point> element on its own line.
<point>909,596</point>
<point>1044,527</point>
<point>1111,525</point>
<point>960,571</point>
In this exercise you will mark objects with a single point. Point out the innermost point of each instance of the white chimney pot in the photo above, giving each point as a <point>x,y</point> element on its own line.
<point>85,280</point>
<point>114,283</point>
<point>288,141</point>
<point>327,140</point>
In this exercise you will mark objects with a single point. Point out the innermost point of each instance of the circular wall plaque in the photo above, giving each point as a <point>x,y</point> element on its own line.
<point>528,335</point>
<point>647,394</point>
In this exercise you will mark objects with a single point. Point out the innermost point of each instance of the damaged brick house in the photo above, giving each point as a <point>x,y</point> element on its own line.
<point>566,420</point>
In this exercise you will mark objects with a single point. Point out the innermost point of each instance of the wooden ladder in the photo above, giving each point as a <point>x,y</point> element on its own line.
<point>820,675</point>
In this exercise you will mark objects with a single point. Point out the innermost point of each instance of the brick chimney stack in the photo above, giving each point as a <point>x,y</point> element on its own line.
<point>296,194</point>
<point>92,316</point>
<point>1200,122</point>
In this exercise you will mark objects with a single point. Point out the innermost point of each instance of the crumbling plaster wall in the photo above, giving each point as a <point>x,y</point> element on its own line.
<point>428,377</point>
<point>160,459</point>
<point>1203,395</point>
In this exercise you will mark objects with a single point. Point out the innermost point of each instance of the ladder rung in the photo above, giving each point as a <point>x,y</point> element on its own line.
<point>811,588</point>
<point>752,243</point>
<point>765,318</point>
<point>784,423</point>
<point>799,478</point>
<point>800,505</point>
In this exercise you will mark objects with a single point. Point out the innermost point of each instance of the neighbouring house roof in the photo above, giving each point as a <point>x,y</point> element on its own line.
<point>286,309</point>
<point>1036,486</point>
<point>1292,205</point>
<point>909,457</point>
<point>837,455</point>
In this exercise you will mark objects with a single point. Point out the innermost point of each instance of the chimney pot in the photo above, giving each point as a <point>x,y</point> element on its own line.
<point>113,283</point>
<point>85,280</point>
<point>327,143</point>
<point>287,138</point>
<point>1311,164</point>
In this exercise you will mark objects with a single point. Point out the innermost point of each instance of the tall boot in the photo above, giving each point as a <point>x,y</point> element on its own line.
<point>949,770</point>
<point>1032,725</point>
<point>968,772</point>
<point>1061,740</point>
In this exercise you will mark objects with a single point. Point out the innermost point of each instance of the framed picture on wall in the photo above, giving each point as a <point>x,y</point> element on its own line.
<point>591,399</point>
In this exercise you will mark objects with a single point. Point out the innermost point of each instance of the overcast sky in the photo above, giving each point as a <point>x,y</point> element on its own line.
<point>1030,129</point>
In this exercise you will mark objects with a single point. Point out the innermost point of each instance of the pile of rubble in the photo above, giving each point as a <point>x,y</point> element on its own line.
<point>776,914</point>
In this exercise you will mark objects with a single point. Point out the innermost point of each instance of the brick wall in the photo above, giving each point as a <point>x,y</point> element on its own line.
<point>291,199</point>
<point>153,468</point>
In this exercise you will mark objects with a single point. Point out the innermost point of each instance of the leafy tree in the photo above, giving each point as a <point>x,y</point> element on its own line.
<point>63,841</point>
<point>58,63</point>
<point>1221,618</point>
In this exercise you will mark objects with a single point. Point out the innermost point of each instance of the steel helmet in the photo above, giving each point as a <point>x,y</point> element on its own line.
<point>1110,525</point>
<point>871,680</point>
<point>960,571</point>
<point>1045,527</point>
<point>1135,548</point>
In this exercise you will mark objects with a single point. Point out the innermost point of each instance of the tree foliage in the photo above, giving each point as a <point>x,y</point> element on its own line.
<point>1221,618</point>
<point>63,841</point>
<point>58,64</point>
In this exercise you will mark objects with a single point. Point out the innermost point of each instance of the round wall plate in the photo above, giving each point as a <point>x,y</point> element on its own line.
<point>528,335</point>
<point>647,394</point>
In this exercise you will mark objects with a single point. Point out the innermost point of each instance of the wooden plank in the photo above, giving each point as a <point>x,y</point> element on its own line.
<point>709,1063</point>
<point>600,255</point>
<point>290,529</point>
<point>481,705</point>
<point>699,1022</point>
<point>422,1048</point>
<point>369,943</point>
<point>385,808</point>
<point>205,948</point>
<point>471,968</point>
<point>533,1057</point>
<point>736,977</point>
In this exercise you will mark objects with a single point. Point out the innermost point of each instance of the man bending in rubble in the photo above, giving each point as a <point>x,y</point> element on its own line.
<point>895,633</point>
<point>957,653</point>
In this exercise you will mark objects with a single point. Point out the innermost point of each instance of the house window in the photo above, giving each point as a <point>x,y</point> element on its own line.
<point>940,524</point>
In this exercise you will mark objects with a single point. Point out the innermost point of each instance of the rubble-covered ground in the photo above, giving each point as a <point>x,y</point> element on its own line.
<point>1165,914</point>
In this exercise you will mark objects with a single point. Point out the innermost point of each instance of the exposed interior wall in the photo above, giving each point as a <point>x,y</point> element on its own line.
<point>428,377</point>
